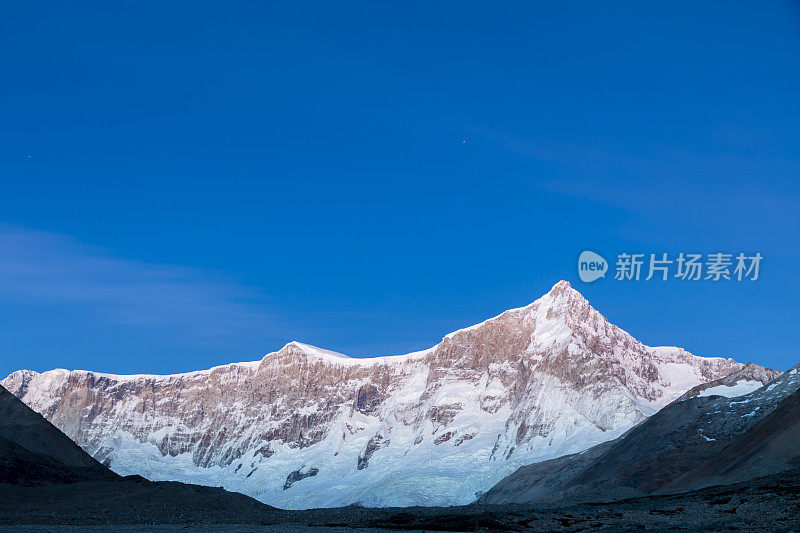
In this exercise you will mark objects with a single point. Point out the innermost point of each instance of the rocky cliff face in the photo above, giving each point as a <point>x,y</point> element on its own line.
<point>306,427</point>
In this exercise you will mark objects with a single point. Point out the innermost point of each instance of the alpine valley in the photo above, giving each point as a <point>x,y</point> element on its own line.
<point>306,427</point>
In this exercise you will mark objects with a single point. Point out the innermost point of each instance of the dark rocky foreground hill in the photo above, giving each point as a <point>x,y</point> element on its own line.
<point>34,452</point>
<point>766,504</point>
<point>45,478</point>
<point>690,444</point>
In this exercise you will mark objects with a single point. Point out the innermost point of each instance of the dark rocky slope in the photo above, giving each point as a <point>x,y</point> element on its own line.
<point>45,478</point>
<point>657,454</point>
<point>772,445</point>
<point>34,452</point>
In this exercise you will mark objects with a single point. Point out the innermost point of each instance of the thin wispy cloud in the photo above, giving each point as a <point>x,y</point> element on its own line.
<point>716,185</point>
<point>47,269</point>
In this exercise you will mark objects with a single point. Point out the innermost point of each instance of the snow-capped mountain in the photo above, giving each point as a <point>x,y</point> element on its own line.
<point>306,427</point>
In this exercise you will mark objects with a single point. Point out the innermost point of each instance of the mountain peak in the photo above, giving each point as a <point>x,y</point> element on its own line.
<point>561,286</point>
<point>307,349</point>
<point>563,289</point>
<point>563,297</point>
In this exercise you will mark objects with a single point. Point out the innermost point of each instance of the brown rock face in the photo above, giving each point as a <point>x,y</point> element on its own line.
<point>367,399</point>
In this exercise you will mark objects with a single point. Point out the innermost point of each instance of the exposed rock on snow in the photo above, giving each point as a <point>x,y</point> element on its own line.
<point>429,428</point>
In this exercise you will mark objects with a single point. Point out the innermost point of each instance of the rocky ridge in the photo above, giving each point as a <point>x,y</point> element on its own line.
<point>749,378</point>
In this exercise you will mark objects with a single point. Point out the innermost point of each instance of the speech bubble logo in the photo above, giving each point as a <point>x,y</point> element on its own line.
<point>591,266</point>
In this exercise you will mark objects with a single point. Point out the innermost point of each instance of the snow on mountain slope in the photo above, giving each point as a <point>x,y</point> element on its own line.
<point>732,391</point>
<point>744,381</point>
<point>306,427</point>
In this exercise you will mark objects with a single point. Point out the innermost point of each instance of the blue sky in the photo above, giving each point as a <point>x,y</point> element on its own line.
<point>192,183</point>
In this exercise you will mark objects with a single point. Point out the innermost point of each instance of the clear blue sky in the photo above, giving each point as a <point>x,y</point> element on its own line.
<point>192,183</point>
